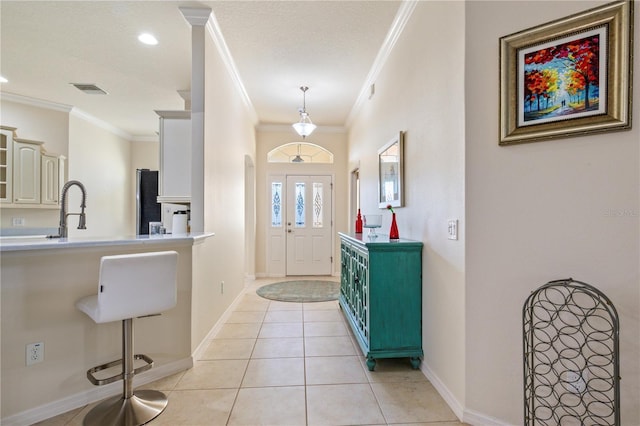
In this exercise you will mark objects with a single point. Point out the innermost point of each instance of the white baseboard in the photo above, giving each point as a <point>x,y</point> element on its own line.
<point>445,393</point>
<point>202,347</point>
<point>463,414</point>
<point>475,418</point>
<point>51,409</point>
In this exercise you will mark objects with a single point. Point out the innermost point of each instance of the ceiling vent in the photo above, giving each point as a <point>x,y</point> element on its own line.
<point>89,89</point>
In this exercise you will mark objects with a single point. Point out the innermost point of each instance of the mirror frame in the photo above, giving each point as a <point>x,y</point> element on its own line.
<point>395,147</point>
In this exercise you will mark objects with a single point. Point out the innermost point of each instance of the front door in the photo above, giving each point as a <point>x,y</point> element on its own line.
<point>308,225</point>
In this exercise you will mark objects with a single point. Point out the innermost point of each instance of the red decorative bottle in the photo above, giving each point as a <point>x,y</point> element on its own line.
<point>393,232</point>
<point>359,223</point>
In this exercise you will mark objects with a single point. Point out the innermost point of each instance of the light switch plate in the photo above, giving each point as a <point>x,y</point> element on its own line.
<point>453,229</point>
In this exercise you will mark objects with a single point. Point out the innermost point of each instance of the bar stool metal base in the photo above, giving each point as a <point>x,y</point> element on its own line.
<point>141,408</point>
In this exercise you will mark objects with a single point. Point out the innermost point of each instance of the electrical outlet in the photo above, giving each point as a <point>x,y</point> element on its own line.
<point>221,287</point>
<point>575,382</point>
<point>35,353</point>
<point>18,221</point>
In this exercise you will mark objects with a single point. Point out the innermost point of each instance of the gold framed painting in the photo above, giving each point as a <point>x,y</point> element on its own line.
<point>569,77</point>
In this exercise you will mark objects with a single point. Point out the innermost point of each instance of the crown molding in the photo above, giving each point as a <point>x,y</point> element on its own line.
<point>196,15</point>
<point>71,110</point>
<point>397,27</point>
<point>230,65</point>
<point>40,103</point>
<point>150,138</point>
<point>100,123</point>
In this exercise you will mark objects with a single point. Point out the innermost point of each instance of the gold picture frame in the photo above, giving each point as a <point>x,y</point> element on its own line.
<point>569,77</point>
<point>391,173</point>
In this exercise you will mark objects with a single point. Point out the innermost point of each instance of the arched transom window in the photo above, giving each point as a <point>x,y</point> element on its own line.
<point>299,152</point>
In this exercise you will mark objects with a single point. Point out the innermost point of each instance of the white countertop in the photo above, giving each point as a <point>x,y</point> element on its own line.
<point>12,244</point>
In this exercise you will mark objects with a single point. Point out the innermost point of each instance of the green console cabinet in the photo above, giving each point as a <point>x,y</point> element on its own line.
<point>381,296</point>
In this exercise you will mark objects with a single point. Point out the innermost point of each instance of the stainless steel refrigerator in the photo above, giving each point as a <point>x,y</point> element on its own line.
<point>147,207</point>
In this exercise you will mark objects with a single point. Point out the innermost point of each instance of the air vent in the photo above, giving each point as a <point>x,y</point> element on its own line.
<point>90,89</point>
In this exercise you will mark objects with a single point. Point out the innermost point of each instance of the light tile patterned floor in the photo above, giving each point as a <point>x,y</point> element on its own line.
<point>279,363</point>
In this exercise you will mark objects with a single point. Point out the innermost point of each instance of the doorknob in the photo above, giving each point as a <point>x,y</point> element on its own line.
<point>289,231</point>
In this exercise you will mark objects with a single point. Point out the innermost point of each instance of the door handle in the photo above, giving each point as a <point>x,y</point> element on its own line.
<point>289,231</point>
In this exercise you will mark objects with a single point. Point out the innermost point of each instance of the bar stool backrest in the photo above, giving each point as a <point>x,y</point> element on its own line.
<point>135,285</point>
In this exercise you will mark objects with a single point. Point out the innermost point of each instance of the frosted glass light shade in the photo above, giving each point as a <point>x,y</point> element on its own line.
<point>304,128</point>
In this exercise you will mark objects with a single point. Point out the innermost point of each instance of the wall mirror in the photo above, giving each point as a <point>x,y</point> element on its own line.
<point>390,173</point>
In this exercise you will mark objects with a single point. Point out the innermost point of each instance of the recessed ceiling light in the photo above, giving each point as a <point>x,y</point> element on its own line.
<point>147,38</point>
<point>3,80</point>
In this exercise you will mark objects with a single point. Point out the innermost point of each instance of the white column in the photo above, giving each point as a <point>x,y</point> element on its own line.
<point>198,18</point>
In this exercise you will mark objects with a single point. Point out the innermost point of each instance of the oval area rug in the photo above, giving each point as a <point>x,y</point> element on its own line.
<point>301,291</point>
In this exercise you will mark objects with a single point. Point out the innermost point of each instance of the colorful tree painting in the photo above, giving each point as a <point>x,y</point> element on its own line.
<point>562,79</point>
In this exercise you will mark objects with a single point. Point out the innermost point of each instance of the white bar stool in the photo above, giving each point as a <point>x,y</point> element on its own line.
<point>131,285</point>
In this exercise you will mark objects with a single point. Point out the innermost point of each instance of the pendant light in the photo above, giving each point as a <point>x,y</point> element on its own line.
<point>304,127</point>
<point>298,158</point>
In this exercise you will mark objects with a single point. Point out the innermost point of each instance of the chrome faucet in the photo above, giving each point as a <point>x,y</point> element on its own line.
<point>82,222</point>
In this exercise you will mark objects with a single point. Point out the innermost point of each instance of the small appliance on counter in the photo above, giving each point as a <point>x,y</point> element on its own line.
<point>179,223</point>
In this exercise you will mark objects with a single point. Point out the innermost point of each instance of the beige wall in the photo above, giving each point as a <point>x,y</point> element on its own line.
<point>538,212</point>
<point>336,143</point>
<point>529,213</point>
<point>228,138</point>
<point>100,160</point>
<point>103,161</point>
<point>48,125</point>
<point>421,91</point>
<point>39,291</point>
<point>41,124</point>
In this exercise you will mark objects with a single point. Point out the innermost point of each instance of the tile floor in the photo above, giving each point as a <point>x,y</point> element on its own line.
<point>279,363</point>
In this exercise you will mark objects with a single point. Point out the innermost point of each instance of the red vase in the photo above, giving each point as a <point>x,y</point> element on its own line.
<point>393,232</point>
<point>359,223</point>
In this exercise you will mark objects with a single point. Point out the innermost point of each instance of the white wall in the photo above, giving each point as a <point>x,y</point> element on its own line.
<point>538,212</point>
<point>421,91</point>
<point>268,139</point>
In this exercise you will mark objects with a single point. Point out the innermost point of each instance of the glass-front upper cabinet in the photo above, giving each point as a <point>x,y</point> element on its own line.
<point>6,160</point>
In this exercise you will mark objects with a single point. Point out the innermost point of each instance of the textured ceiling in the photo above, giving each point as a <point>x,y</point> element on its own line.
<point>277,46</point>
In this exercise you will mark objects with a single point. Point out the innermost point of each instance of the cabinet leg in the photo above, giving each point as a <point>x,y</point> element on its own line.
<point>415,362</point>
<point>371,364</point>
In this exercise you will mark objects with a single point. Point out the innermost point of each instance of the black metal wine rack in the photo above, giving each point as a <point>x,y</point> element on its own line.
<point>571,356</point>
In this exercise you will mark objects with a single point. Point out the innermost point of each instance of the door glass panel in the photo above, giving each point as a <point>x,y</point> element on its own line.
<point>276,204</point>
<point>300,205</point>
<point>317,205</point>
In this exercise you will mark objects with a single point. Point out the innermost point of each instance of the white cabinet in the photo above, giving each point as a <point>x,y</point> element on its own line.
<point>6,163</point>
<point>49,184</point>
<point>29,176</point>
<point>175,157</point>
<point>26,171</point>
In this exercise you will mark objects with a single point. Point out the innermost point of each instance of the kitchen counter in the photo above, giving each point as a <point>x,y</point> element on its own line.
<point>41,279</point>
<point>15,243</point>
